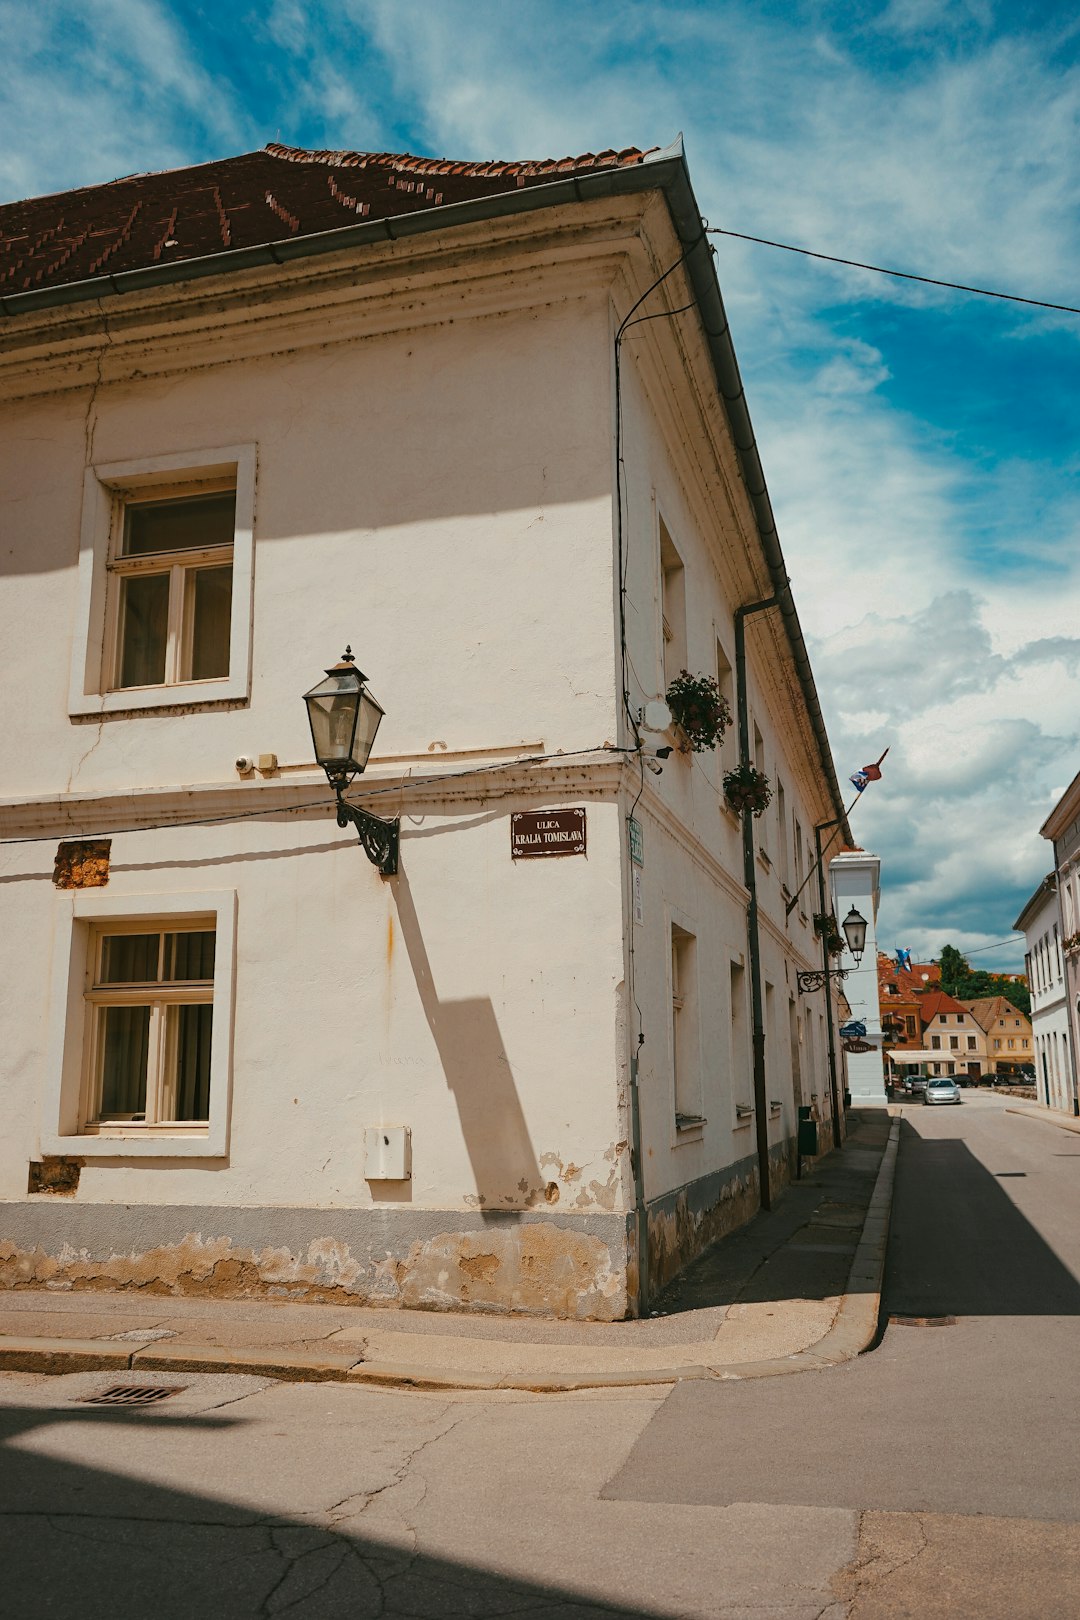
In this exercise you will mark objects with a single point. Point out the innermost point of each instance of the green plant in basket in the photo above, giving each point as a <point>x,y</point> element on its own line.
<point>747,789</point>
<point>699,709</point>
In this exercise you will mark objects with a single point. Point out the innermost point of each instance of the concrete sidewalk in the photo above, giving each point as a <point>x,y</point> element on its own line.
<point>798,1288</point>
<point>1049,1116</point>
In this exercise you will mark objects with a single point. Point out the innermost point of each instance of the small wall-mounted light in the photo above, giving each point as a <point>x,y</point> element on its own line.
<point>344,718</point>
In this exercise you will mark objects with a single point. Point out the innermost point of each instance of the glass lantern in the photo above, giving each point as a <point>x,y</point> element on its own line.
<point>344,718</point>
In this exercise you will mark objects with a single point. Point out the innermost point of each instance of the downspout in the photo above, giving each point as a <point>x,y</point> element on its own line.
<point>641,1213</point>
<point>823,910</point>
<point>753,938</point>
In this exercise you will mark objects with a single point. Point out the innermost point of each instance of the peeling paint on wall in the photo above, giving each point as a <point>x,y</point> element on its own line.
<point>685,1222</point>
<point>82,863</point>
<point>540,1270</point>
<point>536,1268</point>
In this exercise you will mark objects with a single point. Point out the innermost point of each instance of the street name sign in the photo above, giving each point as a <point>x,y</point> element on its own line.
<point>537,833</point>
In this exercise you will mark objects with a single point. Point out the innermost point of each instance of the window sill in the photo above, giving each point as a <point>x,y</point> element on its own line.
<point>136,1145</point>
<point>184,695</point>
<point>689,1128</point>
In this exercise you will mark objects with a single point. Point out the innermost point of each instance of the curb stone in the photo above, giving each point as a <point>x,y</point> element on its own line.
<point>852,1332</point>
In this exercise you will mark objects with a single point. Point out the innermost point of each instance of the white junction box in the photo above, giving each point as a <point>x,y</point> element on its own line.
<point>387,1153</point>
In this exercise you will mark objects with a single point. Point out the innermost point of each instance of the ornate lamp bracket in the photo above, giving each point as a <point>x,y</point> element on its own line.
<point>815,978</point>
<point>378,838</point>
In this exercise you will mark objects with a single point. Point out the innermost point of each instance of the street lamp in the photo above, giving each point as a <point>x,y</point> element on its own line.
<point>854,926</point>
<point>344,718</point>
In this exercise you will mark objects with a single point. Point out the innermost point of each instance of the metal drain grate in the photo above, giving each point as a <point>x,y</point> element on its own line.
<point>133,1395</point>
<point>922,1321</point>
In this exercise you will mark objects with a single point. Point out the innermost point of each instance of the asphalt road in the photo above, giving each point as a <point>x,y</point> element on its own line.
<point>935,1476</point>
<point>965,1412</point>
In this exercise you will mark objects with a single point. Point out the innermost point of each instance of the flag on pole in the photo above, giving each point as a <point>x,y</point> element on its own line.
<point>869,773</point>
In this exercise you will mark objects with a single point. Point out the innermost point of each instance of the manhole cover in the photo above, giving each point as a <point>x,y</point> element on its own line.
<point>133,1395</point>
<point>922,1321</point>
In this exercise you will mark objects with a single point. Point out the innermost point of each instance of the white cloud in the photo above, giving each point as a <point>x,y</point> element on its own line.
<point>104,88</point>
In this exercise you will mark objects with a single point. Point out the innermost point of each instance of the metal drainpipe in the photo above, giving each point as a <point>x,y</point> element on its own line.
<point>823,910</point>
<point>753,946</point>
<point>641,1212</point>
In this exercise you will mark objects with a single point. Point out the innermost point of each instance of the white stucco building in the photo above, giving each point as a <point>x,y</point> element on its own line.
<point>855,881</point>
<point>252,412</point>
<point>1040,924</point>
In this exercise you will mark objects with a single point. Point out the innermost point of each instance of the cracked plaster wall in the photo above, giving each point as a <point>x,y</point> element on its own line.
<point>573,1267</point>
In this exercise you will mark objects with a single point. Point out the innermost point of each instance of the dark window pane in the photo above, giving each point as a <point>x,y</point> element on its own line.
<point>125,1041</point>
<point>129,959</point>
<point>192,1091</point>
<point>210,604</point>
<point>198,520</point>
<point>189,955</point>
<point>144,629</point>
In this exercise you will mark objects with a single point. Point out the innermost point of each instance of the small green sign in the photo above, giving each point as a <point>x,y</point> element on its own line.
<point>637,842</point>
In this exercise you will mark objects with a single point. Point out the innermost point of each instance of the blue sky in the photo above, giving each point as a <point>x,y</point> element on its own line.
<point>921,446</point>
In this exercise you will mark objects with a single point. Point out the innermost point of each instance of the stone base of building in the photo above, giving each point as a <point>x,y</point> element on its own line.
<point>576,1267</point>
<point>579,1267</point>
<point>684,1222</point>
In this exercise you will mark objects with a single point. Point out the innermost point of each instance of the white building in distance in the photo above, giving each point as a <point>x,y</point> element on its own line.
<point>1055,1069</point>
<point>855,881</point>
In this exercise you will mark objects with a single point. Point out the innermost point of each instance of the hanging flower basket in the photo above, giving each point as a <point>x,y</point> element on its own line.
<point>747,789</point>
<point>1071,945</point>
<point>699,709</point>
<point>826,927</point>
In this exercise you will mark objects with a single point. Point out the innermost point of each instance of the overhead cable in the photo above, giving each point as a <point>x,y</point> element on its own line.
<point>901,275</point>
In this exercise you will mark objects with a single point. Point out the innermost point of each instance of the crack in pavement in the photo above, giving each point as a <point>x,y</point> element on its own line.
<point>873,1564</point>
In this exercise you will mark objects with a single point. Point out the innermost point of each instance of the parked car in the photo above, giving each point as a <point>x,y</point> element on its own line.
<point>916,1083</point>
<point>941,1091</point>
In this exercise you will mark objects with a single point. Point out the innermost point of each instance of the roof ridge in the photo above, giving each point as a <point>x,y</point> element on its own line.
<point>408,163</point>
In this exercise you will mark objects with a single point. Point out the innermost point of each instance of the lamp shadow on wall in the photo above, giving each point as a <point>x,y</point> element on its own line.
<point>478,1073</point>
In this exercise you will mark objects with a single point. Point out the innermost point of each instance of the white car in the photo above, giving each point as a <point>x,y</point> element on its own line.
<point>941,1091</point>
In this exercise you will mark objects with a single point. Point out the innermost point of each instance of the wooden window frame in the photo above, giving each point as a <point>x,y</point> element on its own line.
<point>108,489</point>
<point>94,912</point>
<point>159,995</point>
<point>181,567</point>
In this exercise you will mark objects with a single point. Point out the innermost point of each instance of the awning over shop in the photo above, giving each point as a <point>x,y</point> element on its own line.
<point>920,1055</point>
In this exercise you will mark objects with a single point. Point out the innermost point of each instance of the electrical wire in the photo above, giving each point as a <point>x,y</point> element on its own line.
<point>324,802</point>
<point>901,275</point>
<point>996,946</point>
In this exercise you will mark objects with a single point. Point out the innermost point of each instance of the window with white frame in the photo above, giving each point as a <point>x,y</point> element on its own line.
<point>166,572</point>
<point>672,607</point>
<point>170,589</point>
<point>685,1033</point>
<point>149,1027</point>
<point>782,833</point>
<point>741,1074</point>
<point>140,1027</point>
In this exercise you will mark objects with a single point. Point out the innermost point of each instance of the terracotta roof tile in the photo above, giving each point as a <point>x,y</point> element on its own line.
<point>261,197</point>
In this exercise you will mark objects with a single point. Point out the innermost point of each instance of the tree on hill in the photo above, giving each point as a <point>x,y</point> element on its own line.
<point>958,979</point>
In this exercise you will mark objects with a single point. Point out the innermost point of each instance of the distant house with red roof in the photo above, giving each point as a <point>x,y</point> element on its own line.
<point>952,1036</point>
